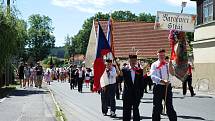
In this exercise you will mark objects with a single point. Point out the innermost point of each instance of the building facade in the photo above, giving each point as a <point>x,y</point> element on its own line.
<point>204,46</point>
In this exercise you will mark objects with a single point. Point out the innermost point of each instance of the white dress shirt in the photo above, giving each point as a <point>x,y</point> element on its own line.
<point>158,74</point>
<point>132,75</point>
<point>110,78</point>
<point>80,72</point>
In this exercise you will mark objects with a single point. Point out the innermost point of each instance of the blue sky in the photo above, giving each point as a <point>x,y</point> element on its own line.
<point>68,15</point>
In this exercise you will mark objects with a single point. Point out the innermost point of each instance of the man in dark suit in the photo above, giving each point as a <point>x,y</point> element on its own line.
<point>72,70</point>
<point>133,89</point>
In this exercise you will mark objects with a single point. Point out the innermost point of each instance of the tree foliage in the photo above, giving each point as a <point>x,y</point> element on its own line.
<point>13,35</point>
<point>190,38</point>
<point>58,52</point>
<point>67,46</point>
<point>56,61</point>
<point>40,35</point>
<point>123,16</point>
<point>145,17</point>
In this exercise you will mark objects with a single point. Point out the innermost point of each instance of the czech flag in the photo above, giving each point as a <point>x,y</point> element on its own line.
<point>110,39</point>
<point>103,48</point>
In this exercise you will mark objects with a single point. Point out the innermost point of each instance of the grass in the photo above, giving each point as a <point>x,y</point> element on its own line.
<point>60,113</point>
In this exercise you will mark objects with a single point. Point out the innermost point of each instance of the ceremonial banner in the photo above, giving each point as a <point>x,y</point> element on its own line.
<point>91,48</point>
<point>102,49</point>
<point>176,21</point>
<point>179,55</point>
<point>110,38</point>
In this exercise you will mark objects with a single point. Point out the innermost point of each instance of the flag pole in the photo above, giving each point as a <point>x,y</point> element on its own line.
<point>164,110</point>
<point>112,47</point>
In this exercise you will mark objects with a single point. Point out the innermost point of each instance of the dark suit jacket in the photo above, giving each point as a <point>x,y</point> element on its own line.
<point>133,91</point>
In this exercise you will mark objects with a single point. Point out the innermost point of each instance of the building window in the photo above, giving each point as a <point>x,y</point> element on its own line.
<point>207,11</point>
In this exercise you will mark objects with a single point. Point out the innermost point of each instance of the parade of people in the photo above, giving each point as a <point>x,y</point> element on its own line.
<point>107,60</point>
<point>128,82</point>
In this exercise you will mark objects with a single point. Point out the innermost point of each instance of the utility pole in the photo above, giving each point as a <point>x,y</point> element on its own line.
<point>183,5</point>
<point>7,71</point>
<point>8,7</point>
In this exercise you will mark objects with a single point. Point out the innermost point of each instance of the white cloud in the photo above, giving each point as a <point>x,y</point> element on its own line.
<point>178,2</point>
<point>90,6</point>
<point>87,9</point>
<point>129,1</point>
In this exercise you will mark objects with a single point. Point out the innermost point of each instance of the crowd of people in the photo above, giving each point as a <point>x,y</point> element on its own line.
<point>128,83</point>
<point>136,78</point>
<point>30,75</point>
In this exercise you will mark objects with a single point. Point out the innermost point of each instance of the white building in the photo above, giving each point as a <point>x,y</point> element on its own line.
<point>204,46</point>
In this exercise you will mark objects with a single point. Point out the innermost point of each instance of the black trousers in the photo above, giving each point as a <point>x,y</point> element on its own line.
<point>108,98</point>
<point>127,107</point>
<point>159,95</point>
<point>189,81</point>
<point>91,85</point>
<point>118,90</point>
<point>148,82</point>
<point>72,83</point>
<point>80,84</point>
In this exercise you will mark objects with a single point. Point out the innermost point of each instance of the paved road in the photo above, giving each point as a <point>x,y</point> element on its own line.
<point>30,104</point>
<point>86,106</point>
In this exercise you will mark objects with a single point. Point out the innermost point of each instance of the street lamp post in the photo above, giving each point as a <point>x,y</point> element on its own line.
<point>183,5</point>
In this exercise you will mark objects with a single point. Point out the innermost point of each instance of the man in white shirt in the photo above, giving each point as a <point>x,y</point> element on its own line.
<point>108,89</point>
<point>160,71</point>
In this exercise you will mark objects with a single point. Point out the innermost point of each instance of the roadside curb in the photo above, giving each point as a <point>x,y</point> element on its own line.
<point>56,104</point>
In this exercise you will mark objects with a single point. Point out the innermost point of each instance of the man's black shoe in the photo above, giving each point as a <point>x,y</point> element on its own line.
<point>193,94</point>
<point>112,115</point>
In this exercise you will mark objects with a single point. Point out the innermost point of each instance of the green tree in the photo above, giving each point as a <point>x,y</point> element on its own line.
<point>80,41</point>
<point>123,16</point>
<point>145,17</point>
<point>41,38</point>
<point>22,38</point>
<point>190,39</point>
<point>67,46</point>
<point>13,35</point>
<point>98,15</point>
<point>56,61</point>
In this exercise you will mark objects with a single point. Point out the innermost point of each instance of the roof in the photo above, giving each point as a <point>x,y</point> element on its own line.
<point>138,35</point>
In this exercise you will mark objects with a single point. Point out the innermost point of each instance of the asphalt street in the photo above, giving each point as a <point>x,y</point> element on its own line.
<point>86,106</point>
<point>30,104</point>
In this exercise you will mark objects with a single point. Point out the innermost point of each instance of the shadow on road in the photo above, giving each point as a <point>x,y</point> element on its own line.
<point>141,118</point>
<point>176,92</point>
<point>146,102</point>
<point>86,92</point>
<point>178,97</point>
<point>203,97</point>
<point>191,117</point>
<point>119,107</point>
<point>144,98</point>
<point>28,92</point>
